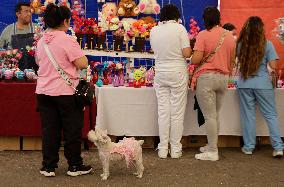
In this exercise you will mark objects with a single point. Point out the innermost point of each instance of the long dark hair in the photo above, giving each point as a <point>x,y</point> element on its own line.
<point>252,40</point>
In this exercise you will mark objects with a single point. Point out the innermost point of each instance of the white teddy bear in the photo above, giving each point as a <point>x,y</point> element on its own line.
<point>49,2</point>
<point>149,7</point>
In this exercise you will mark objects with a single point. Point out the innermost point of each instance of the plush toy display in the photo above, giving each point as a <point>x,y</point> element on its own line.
<point>8,75</point>
<point>127,25</point>
<point>109,10</point>
<point>78,7</point>
<point>30,74</point>
<point>130,77</point>
<point>127,8</point>
<point>64,3</point>
<point>143,70</point>
<point>150,74</point>
<point>49,2</point>
<point>36,6</point>
<point>137,78</point>
<point>20,75</point>
<point>149,7</point>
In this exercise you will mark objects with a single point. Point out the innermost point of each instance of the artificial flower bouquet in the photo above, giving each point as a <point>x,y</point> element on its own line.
<point>193,32</point>
<point>10,58</point>
<point>140,30</point>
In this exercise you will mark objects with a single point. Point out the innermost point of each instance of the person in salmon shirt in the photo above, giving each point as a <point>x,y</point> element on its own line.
<point>211,78</point>
<point>56,101</point>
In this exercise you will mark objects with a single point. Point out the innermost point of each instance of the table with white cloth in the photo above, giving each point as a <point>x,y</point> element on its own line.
<point>133,112</point>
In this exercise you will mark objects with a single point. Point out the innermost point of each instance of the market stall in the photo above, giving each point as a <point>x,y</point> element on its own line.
<point>133,112</point>
<point>18,111</point>
<point>104,30</point>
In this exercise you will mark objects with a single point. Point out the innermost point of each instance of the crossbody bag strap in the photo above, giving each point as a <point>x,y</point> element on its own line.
<point>14,28</point>
<point>31,27</point>
<point>58,68</point>
<point>221,40</point>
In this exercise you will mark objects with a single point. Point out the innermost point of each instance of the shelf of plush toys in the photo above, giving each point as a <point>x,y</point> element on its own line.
<point>9,71</point>
<point>119,74</point>
<point>120,54</point>
<point>117,30</point>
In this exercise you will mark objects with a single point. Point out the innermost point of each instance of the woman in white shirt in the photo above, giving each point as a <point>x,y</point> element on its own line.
<point>170,43</point>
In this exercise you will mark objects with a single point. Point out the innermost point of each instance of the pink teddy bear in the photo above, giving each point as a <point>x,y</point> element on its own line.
<point>149,7</point>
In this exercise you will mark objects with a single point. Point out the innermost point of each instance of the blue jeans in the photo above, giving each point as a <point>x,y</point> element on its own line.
<point>266,100</point>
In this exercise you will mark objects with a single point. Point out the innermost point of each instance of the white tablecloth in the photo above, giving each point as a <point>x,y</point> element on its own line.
<point>133,112</point>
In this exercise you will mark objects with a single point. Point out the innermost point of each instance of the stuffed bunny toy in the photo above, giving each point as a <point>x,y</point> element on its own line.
<point>149,7</point>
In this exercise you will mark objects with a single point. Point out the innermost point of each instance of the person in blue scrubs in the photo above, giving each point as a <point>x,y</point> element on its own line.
<point>254,53</point>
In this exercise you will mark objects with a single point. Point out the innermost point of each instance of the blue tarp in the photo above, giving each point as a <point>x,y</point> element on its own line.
<point>189,8</point>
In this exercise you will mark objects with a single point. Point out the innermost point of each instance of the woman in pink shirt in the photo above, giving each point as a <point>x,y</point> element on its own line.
<point>56,101</point>
<point>212,76</point>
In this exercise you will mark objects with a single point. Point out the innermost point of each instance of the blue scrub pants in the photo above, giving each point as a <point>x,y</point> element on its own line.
<point>266,101</point>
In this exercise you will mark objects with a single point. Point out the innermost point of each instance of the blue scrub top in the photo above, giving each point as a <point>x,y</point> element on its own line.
<point>261,80</point>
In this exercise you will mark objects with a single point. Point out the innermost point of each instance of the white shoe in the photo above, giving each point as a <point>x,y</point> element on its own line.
<point>163,153</point>
<point>203,149</point>
<point>47,172</point>
<point>212,156</point>
<point>246,152</point>
<point>277,154</point>
<point>176,154</point>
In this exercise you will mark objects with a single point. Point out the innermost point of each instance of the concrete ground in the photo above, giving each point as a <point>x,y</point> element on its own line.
<point>234,169</point>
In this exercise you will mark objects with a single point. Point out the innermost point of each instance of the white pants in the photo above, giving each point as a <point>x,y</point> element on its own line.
<point>171,91</point>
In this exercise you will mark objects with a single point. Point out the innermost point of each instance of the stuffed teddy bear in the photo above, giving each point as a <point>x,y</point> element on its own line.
<point>49,2</point>
<point>149,7</point>
<point>128,34</point>
<point>64,3</point>
<point>36,6</point>
<point>46,3</point>
<point>78,7</point>
<point>109,10</point>
<point>127,8</point>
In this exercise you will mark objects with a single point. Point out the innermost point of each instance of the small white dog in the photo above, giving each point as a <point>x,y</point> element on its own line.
<point>128,149</point>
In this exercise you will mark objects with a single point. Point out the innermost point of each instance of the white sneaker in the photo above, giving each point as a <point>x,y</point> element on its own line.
<point>163,153</point>
<point>246,152</point>
<point>176,154</point>
<point>47,172</point>
<point>203,149</point>
<point>277,154</point>
<point>212,156</point>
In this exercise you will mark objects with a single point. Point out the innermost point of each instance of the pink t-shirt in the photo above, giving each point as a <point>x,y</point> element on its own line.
<point>65,51</point>
<point>207,42</point>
